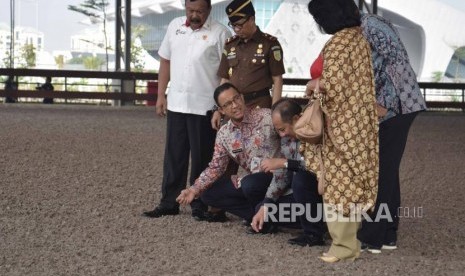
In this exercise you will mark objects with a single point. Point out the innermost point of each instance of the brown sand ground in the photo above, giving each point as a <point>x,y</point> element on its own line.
<point>74,181</point>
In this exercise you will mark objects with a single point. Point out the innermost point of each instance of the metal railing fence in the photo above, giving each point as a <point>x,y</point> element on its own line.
<point>132,87</point>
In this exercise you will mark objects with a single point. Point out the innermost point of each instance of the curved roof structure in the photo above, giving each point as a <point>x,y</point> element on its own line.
<point>443,26</point>
<point>429,42</point>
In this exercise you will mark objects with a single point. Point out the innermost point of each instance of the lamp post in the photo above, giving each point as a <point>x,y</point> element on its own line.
<point>12,33</point>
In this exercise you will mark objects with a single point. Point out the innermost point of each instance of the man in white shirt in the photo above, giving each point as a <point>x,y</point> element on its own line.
<point>189,58</point>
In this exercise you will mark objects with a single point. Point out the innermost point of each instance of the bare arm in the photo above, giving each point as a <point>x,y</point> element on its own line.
<point>277,87</point>
<point>271,164</point>
<point>163,80</point>
<point>311,86</point>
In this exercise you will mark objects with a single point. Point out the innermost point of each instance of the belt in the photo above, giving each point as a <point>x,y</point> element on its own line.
<point>257,94</point>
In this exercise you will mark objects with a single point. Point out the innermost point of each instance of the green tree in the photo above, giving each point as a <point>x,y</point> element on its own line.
<point>60,61</point>
<point>437,76</point>
<point>76,60</point>
<point>93,62</point>
<point>28,55</point>
<point>137,61</point>
<point>6,60</point>
<point>96,11</point>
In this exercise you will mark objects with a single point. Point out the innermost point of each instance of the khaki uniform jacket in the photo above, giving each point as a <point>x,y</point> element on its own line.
<point>250,65</point>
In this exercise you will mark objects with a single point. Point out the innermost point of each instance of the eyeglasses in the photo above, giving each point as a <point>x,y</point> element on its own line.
<point>236,99</point>
<point>238,25</point>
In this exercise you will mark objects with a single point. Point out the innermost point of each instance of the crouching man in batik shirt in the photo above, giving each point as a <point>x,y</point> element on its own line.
<point>304,205</point>
<point>247,138</point>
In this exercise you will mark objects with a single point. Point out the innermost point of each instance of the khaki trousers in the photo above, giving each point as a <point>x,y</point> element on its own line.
<point>343,231</point>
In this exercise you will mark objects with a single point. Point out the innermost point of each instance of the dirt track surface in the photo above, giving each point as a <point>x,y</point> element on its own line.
<point>74,181</point>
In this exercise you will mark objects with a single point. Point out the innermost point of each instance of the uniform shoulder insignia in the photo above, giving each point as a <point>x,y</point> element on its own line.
<point>231,39</point>
<point>270,37</point>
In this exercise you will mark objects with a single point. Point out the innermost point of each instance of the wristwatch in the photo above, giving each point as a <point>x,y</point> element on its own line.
<point>285,164</point>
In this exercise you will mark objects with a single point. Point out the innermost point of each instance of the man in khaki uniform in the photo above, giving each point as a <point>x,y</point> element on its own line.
<point>252,60</point>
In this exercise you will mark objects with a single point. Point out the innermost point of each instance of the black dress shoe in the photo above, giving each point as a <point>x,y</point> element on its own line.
<point>199,214</point>
<point>216,217</point>
<point>268,228</point>
<point>307,240</point>
<point>160,211</point>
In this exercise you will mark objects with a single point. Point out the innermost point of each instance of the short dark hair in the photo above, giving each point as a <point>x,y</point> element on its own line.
<point>209,2</point>
<point>220,89</point>
<point>334,15</point>
<point>287,108</point>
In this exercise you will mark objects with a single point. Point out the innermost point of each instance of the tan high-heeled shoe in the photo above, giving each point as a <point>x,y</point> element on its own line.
<point>328,258</point>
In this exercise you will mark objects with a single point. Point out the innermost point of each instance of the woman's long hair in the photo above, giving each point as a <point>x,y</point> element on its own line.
<point>334,15</point>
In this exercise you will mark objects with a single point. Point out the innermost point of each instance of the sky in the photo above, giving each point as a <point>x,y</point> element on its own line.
<point>459,4</point>
<point>53,18</point>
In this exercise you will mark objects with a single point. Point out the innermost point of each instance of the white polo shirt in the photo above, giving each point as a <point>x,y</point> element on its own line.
<point>194,60</point>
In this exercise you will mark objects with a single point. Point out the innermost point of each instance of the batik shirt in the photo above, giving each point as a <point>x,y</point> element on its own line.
<point>346,163</point>
<point>290,151</point>
<point>254,137</point>
<point>396,84</point>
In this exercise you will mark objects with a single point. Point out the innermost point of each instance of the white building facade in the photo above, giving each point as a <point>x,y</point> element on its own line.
<point>431,30</point>
<point>22,36</point>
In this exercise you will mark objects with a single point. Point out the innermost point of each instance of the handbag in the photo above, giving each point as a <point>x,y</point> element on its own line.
<point>309,127</point>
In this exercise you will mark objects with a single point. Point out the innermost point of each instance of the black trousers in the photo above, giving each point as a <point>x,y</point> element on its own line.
<point>240,202</point>
<point>393,135</point>
<point>305,192</point>
<point>186,134</point>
